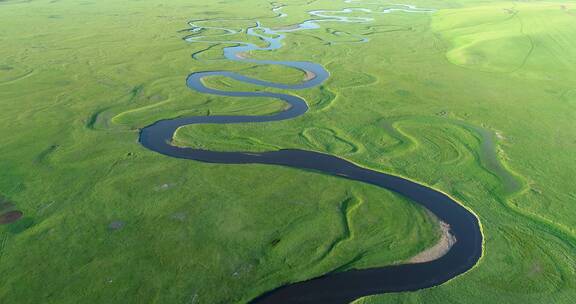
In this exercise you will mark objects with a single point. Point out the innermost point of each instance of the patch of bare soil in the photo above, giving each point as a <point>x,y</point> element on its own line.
<point>10,217</point>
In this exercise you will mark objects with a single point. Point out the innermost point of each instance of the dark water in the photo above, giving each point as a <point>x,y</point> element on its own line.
<point>342,287</point>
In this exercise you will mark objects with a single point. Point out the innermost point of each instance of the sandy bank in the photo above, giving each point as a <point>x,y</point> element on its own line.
<point>437,251</point>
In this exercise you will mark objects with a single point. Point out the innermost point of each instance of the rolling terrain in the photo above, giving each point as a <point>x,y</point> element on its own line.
<point>476,100</point>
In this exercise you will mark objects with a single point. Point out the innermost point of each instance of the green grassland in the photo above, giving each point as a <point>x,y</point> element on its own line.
<point>477,100</point>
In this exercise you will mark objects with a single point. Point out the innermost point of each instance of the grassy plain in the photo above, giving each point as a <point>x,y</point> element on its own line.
<point>436,98</point>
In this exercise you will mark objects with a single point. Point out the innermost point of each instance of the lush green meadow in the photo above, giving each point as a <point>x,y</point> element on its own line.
<point>477,100</point>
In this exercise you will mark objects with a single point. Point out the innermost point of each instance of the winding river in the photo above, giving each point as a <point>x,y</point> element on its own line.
<point>338,287</point>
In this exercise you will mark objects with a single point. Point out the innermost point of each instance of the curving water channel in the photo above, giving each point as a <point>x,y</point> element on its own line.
<point>339,287</point>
